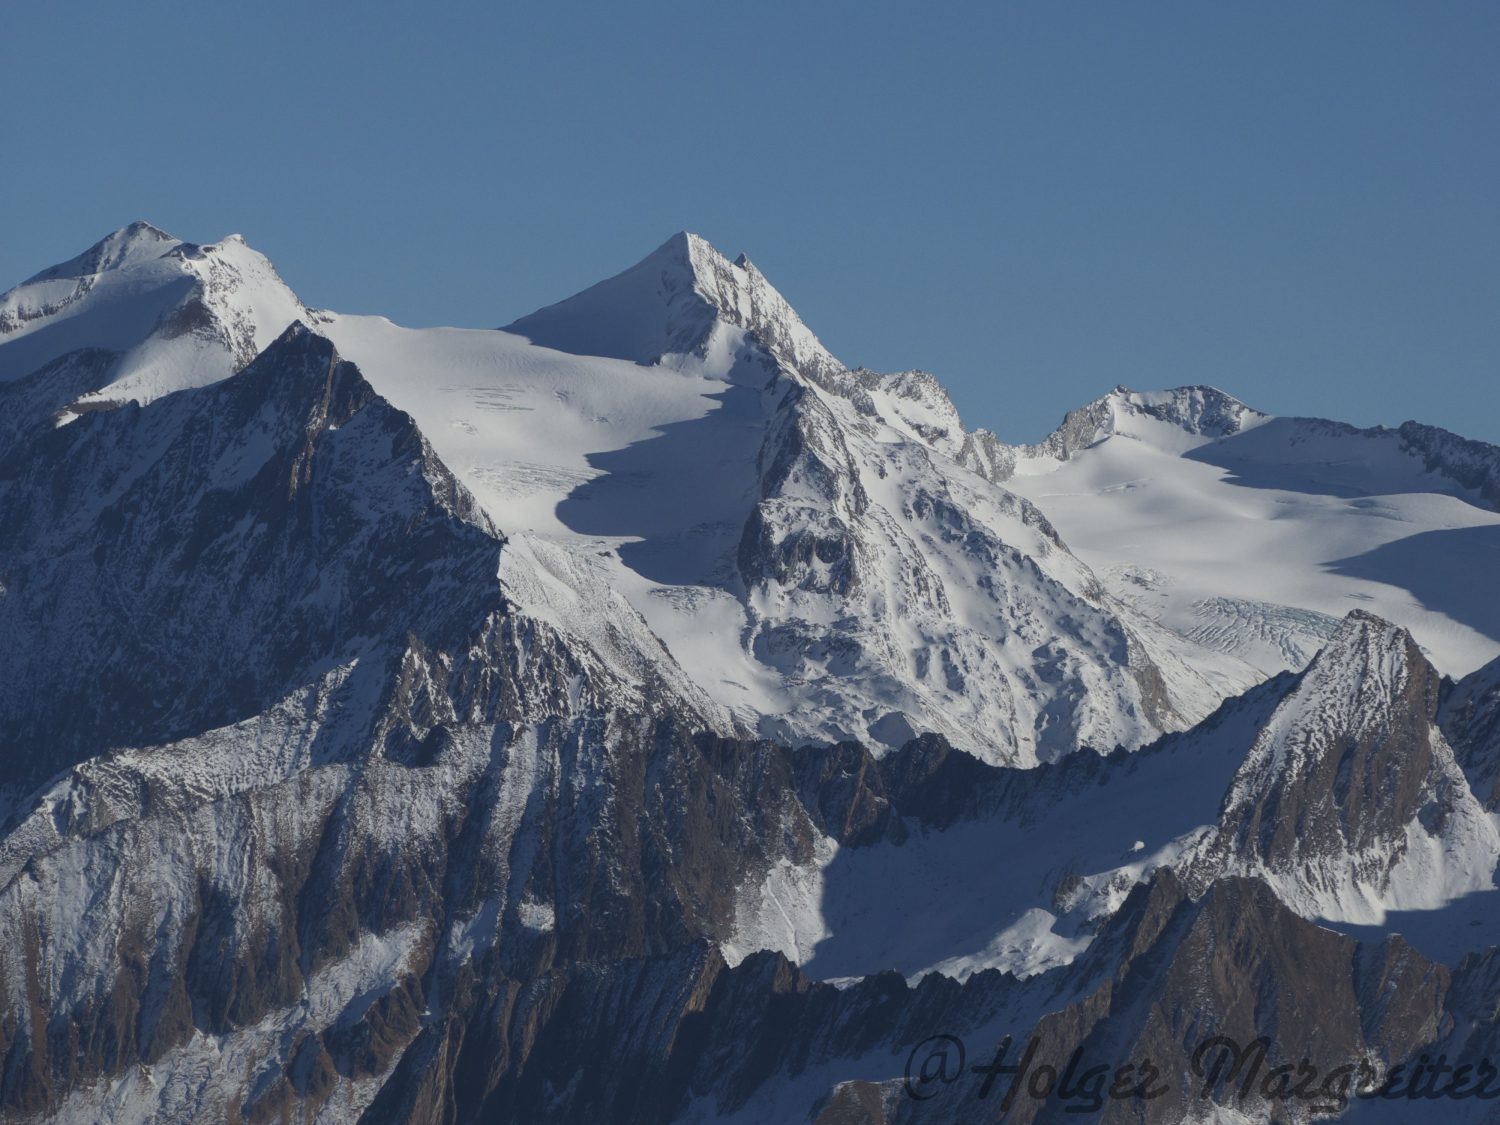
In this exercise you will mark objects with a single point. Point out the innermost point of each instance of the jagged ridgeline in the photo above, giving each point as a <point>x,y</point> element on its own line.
<point>635,714</point>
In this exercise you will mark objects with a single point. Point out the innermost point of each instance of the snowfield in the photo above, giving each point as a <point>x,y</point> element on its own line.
<point>1257,541</point>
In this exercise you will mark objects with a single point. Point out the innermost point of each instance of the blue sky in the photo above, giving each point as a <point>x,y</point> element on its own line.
<point>1299,203</point>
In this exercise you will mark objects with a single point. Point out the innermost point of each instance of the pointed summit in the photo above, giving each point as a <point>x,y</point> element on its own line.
<point>670,303</point>
<point>1368,667</point>
<point>641,314</point>
<point>130,245</point>
<point>1350,801</point>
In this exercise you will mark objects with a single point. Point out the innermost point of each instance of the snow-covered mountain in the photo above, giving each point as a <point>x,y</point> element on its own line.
<point>172,313</point>
<point>808,542</point>
<point>1350,802</point>
<point>582,720</point>
<point>1256,535</point>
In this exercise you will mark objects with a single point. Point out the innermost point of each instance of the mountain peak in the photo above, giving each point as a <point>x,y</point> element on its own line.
<point>175,313</point>
<point>1350,802</point>
<point>1198,410</point>
<point>1199,407</point>
<point>670,303</point>
<point>130,245</point>
<point>1366,645</point>
<point>685,252</point>
<point>1362,621</point>
<point>1180,417</point>
<point>640,314</point>
<point>297,333</point>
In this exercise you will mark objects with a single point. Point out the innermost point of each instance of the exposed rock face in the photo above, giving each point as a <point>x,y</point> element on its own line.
<point>1236,963</point>
<point>311,916</point>
<point>684,1037</point>
<point>457,925</point>
<point>1471,465</point>
<point>314,613</point>
<point>1471,721</point>
<point>184,567</point>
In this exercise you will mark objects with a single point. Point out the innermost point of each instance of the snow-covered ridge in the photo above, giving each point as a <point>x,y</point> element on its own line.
<point>1472,465</point>
<point>1181,418</point>
<point>664,310</point>
<point>132,245</point>
<point>1334,786</point>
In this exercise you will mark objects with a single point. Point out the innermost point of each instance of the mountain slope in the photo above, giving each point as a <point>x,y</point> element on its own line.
<point>182,567</point>
<point>302,762</point>
<point>686,1038</point>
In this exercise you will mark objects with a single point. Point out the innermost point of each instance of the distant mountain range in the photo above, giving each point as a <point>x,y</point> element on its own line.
<point>634,714</point>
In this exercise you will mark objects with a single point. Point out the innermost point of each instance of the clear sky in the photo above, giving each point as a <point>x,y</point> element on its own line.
<point>1298,202</point>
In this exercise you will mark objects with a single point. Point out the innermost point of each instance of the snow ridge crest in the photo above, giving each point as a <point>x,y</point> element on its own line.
<point>1198,411</point>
